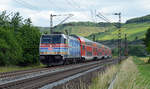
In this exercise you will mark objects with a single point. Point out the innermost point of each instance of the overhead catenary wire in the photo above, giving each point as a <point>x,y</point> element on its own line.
<point>77,6</point>
<point>72,3</point>
<point>54,5</point>
<point>100,15</point>
<point>26,4</point>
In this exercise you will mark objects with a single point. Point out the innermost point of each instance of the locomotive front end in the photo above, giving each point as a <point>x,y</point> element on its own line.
<point>53,48</point>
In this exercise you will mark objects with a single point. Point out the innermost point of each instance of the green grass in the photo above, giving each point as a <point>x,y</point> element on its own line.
<point>16,68</point>
<point>143,67</point>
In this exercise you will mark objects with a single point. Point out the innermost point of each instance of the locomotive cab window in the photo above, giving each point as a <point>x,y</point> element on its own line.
<point>65,41</point>
<point>52,39</point>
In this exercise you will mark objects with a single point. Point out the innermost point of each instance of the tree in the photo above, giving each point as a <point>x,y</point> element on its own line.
<point>147,42</point>
<point>10,50</point>
<point>30,43</point>
<point>4,20</point>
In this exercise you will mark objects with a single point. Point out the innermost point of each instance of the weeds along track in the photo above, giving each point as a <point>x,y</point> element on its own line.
<point>16,73</point>
<point>47,77</point>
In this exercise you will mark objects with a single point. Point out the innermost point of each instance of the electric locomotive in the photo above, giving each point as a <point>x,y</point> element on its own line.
<point>58,49</point>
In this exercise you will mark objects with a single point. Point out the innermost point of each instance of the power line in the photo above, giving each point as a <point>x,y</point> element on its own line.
<point>52,3</point>
<point>100,15</point>
<point>119,35</point>
<point>126,46</point>
<point>119,31</point>
<point>27,5</point>
<point>51,20</point>
<point>79,7</point>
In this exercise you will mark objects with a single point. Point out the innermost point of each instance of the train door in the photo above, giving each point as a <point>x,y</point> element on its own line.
<point>83,50</point>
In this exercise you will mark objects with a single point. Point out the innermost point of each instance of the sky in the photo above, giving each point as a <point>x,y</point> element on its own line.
<point>83,10</point>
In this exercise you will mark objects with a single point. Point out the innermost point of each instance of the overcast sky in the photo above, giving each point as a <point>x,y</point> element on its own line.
<point>83,10</point>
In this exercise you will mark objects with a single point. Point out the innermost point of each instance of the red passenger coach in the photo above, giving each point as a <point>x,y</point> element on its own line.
<point>91,50</point>
<point>86,48</point>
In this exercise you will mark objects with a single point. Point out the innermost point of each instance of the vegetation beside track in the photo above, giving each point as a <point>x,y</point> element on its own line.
<point>18,68</point>
<point>128,77</point>
<point>143,67</point>
<point>104,79</point>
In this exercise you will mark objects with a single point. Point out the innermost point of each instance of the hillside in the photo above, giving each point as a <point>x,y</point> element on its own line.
<point>134,28</point>
<point>139,19</point>
<point>80,28</point>
<point>133,31</point>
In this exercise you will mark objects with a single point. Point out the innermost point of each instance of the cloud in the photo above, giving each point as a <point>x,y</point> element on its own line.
<point>144,4</point>
<point>5,5</point>
<point>39,10</point>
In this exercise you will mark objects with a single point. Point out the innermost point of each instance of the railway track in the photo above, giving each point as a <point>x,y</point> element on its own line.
<point>14,74</point>
<point>48,77</point>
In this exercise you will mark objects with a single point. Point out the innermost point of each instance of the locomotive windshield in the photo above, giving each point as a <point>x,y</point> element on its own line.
<point>52,39</point>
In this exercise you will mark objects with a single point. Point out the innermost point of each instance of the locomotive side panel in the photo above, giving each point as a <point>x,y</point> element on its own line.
<point>74,48</point>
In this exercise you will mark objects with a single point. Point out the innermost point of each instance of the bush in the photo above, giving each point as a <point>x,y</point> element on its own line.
<point>137,50</point>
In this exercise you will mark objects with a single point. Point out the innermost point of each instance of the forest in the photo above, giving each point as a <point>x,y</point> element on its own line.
<point>19,40</point>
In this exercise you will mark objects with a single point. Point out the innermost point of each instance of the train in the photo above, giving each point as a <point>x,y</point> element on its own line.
<point>58,49</point>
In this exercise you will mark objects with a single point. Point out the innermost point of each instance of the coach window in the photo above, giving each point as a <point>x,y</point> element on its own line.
<point>96,50</point>
<point>83,47</point>
<point>99,53</point>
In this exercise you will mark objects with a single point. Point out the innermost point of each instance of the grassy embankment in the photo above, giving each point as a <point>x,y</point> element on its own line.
<point>16,68</point>
<point>130,76</point>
